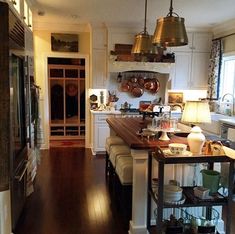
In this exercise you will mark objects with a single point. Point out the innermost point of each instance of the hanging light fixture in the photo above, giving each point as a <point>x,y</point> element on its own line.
<point>143,41</point>
<point>170,30</point>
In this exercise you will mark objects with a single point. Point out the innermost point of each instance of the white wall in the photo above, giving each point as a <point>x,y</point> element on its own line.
<point>42,49</point>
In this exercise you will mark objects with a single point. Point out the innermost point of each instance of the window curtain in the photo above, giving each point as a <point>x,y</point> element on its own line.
<point>214,70</point>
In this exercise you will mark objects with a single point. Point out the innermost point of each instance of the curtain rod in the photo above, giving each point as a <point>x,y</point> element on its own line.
<point>219,38</point>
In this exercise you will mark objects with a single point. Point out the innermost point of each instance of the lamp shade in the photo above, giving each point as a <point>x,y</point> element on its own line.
<point>196,112</point>
<point>142,44</point>
<point>170,31</point>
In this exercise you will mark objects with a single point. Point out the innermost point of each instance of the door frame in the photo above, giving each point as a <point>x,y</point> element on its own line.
<point>44,103</point>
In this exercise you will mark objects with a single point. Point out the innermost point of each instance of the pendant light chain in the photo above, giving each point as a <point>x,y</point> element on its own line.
<point>170,30</point>
<point>171,9</point>
<point>145,17</point>
<point>143,41</point>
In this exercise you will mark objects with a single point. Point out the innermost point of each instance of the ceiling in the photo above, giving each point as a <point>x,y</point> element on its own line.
<point>197,13</point>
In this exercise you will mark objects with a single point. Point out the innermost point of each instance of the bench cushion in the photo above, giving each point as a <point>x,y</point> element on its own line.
<point>117,151</point>
<point>113,140</point>
<point>124,170</point>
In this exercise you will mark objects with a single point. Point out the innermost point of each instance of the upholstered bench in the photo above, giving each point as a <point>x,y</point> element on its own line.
<point>111,141</point>
<point>124,169</point>
<point>117,151</point>
<point>123,184</point>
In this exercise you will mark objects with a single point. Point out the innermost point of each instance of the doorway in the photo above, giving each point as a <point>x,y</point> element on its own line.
<point>67,95</point>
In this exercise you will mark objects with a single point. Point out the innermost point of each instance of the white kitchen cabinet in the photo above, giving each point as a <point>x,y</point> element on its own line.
<point>199,72</point>
<point>192,62</point>
<point>100,131</point>
<point>99,38</point>
<point>99,58</point>
<point>99,68</point>
<point>182,71</point>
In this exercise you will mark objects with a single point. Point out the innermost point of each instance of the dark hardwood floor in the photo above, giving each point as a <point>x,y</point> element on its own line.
<point>71,197</point>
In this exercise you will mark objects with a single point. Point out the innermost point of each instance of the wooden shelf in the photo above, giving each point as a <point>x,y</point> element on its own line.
<point>190,199</point>
<point>67,98</point>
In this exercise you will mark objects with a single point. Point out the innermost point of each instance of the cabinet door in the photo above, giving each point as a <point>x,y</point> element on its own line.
<point>186,48</point>
<point>99,38</point>
<point>99,69</point>
<point>199,76</point>
<point>182,70</point>
<point>102,131</point>
<point>202,42</point>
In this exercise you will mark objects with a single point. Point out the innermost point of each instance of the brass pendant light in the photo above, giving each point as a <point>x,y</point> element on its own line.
<point>170,30</point>
<point>143,41</point>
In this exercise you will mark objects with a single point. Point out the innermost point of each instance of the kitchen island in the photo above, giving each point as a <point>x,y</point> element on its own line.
<point>127,129</point>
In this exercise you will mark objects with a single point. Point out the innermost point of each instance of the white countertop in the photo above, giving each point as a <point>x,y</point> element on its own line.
<point>230,121</point>
<point>99,112</point>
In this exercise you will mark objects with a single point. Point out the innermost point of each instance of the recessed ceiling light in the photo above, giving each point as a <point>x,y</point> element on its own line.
<point>74,16</point>
<point>41,13</point>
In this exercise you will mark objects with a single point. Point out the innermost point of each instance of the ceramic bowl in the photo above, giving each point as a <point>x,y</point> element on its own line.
<point>172,193</point>
<point>177,148</point>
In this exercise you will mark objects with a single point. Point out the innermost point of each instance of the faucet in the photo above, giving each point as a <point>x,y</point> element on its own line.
<point>231,95</point>
<point>175,105</point>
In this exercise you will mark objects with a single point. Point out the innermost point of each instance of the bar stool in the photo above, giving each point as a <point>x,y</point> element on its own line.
<point>110,141</point>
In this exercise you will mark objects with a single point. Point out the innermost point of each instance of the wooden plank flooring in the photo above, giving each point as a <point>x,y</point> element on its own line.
<point>71,197</point>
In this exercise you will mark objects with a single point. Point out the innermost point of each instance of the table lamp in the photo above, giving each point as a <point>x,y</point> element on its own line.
<point>196,112</point>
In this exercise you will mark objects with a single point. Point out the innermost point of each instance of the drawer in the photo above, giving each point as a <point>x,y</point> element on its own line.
<point>102,118</point>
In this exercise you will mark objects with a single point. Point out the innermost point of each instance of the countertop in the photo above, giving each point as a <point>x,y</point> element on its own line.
<point>214,116</point>
<point>115,112</point>
<point>127,129</point>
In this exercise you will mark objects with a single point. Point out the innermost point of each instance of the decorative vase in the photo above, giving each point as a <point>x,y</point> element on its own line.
<point>196,140</point>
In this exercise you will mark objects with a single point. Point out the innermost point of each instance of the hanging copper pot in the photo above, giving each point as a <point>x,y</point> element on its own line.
<point>137,92</point>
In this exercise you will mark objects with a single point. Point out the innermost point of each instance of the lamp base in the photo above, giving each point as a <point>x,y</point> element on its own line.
<point>196,140</point>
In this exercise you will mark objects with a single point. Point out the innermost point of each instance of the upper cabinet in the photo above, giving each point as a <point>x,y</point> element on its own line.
<point>23,9</point>
<point>99,58</point>
<point>28,19</point>
<point>192,62</point>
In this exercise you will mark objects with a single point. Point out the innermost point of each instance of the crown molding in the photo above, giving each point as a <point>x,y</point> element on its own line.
<point>46,26</point>
<point>224,29</point>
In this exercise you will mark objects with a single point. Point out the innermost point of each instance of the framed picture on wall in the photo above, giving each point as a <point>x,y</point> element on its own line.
<point>64,42</point>
<point>175,97</point>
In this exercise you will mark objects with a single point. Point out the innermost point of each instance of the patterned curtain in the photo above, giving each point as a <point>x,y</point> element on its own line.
<point>214,70</point>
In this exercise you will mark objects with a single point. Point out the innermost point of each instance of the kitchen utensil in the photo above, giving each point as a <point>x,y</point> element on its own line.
<point>134,79</point>
<point>141,81</point>
<point>152,85</point>
<point>137,92</point>
<point>172,192</point>
<point>125,87</point>
<point>119,77</point>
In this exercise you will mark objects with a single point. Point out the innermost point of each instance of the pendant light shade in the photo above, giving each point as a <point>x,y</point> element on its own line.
<point>170,30</point>
<point>143,41</point>
<point>142,44</point>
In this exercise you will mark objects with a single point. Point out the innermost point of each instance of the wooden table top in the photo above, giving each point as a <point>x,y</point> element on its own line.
<point>127,129</point>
